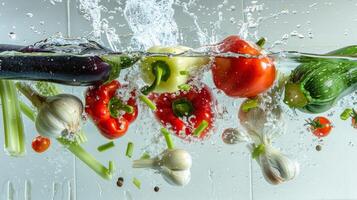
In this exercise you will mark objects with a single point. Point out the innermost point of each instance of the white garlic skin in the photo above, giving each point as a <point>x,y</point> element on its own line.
<point>176,159</point>
<point>176,177</point>
<point>59,115</point>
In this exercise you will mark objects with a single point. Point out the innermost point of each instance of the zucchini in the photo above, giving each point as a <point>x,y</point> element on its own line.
<point>318,83</point>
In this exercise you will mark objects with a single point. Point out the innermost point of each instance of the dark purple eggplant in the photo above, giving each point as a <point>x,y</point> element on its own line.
<point>66,69</point>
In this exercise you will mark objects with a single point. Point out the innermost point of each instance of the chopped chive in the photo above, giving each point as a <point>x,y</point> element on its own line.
<point>258,150</point>
<point>145,156</point>
<point>169,142</point>
<point>111,167</point>
<point>137,183</point>
<point>129,149</point>
<point>249,104</point>
<point>346,113</point>
<point>184,87</point>
<point>148,102</point>
<point>106,146</point>
<point>184,73</point>
<point>198,131</point>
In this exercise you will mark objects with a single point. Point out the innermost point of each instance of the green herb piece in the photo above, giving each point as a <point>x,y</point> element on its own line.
<point>249,104</point>
<point>145,156</point>
<point>137,183</point>
<point>106,146</point>
<point>346,114</point>
<point>129,150</point>
<point>184,87</point>
<point>184,73</point>
<point>258,150</point>
<point>148,102</point>
<point>167,135</point>
<point>201,127</point>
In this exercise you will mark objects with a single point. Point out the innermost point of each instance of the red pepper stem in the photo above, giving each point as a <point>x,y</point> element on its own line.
<point>261,42</point>
<point>35,98</point>
<point>116,105</point>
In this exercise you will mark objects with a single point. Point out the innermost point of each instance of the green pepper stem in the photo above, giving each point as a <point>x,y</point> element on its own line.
<point>182,107</point>
<point>116,104</point>
<point>261,42</point>
<point>158,74</point>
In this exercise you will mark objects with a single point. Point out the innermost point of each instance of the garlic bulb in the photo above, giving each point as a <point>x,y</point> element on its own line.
<point>58,115</point>
<point>173,164</point>
<point>262,123</point>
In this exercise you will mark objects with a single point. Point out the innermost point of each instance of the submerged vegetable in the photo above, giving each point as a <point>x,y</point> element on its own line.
<point>58,115</point>
<point>82,154</point>
<point>184,112</point>
<point>13,125</point>
<point>318,83</point>
<point>173,164</point>
<point>242,76</point>
<point>40,144</point>
<point>166,74</point>
<point>109,112</point>
<point>320,126</point>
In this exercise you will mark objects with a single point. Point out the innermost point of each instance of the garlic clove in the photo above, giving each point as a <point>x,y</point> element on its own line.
<point>48,125</point>
<point>176,159</point>
<point>176,177</point>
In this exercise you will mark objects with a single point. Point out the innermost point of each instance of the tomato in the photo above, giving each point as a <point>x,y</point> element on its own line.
<point>40,144</point>
<point>241,76</point>
<point>320,126</point>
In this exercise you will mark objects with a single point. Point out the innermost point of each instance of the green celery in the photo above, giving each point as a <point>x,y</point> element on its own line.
<point>13,124</point>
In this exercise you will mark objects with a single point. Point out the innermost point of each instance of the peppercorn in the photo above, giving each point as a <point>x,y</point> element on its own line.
<point>120,182</point>
<point>156,188</point>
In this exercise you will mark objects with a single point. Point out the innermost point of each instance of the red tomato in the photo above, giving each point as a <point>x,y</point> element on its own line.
<point>320,126</point>
<point>40,144</point>
<point>242,77</point>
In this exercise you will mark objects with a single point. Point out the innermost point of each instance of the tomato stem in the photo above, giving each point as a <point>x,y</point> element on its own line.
<point>182,107</point>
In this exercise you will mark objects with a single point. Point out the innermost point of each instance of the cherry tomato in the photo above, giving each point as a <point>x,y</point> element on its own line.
<point>40,144</point>
<point>354,122</point>
<point>320,126</point>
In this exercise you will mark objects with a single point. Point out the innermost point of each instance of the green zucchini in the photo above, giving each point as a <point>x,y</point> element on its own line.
<point>318,83</point>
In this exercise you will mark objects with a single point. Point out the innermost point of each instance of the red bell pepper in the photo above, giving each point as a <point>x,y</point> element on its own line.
<point>242,76</point>
<point>110,114</point>
<point>186,111</point>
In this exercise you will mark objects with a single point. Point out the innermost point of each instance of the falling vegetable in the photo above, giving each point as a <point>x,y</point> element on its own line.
<point>318,83</point>
<point>58,115</point>
<point>242,76</point>
<point>40,144</point>
<point>320,126</point>
<point>109,112</point>
<point>13,124</point>
<point>106,146</point>
<point>76,149</point>
<point>187,113</point>
<point>262,124</point>
<point>173,164</point>
<point>164,73</point>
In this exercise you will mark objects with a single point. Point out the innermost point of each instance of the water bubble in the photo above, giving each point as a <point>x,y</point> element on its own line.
<point>29,15</point>
<point>232,8</point>
<point>232,20</point>
<point>42,22</point>
<point>12,35</point>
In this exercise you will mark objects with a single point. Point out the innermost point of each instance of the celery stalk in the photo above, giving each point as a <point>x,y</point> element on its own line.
<point>13,125</point>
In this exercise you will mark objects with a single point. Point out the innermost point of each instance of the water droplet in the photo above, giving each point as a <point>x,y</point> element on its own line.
<point>29,15</point>
<point>12,35</point>
<point>42,22</point>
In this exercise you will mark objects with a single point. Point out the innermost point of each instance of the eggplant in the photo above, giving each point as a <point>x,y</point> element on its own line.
<point>76,62</point>
<point>68,69</point>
